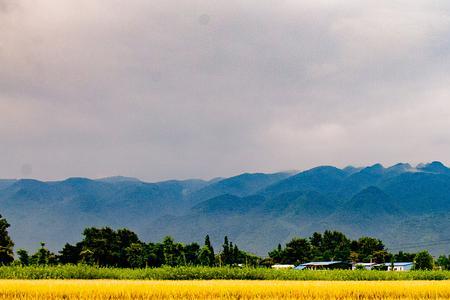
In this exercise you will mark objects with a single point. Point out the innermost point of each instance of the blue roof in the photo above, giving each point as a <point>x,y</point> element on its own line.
<point>321,263</point>
<point>399,264</point>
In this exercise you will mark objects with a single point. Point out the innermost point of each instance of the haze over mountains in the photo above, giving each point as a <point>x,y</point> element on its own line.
<point>407,207</point>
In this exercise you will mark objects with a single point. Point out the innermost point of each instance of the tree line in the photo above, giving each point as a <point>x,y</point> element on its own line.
<point>335,246</point>
<point>122,248</point>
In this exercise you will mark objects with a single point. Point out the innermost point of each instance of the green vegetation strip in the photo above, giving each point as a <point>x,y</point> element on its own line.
<point>208,273</point>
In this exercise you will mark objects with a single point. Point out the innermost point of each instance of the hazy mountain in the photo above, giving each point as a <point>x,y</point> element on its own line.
<point>434,167</point>
<point>323,179</point>
<point>116,179</point>
<point>58,211</point>
<point>4,183</point>
<point>241,185</point>
<point>403,205</point>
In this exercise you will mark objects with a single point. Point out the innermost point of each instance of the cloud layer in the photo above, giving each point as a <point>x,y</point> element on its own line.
<point>178,89</point>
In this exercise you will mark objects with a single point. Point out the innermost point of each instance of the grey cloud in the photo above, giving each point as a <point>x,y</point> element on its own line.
<point>7,5</point>
<point>164,89</point>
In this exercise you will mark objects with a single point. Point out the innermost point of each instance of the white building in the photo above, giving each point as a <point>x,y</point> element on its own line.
<point>366,266</point>
<point>398,266</point>
<point>281,266</point>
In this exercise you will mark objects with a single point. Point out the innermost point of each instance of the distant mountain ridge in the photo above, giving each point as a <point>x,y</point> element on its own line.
<point>401,204</point>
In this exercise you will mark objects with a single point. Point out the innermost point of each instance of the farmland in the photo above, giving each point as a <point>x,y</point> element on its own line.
<point>209,273</point>
<point>110,289</point>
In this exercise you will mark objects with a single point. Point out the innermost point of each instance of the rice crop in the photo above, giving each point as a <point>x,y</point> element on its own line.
<point>222,289</point>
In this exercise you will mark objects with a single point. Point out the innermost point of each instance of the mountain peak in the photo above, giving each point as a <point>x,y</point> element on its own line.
<point>375,169</point>
<point>115,179</point>
<point>434,167</point>
<point>351,169</point>
<point>400,168</point>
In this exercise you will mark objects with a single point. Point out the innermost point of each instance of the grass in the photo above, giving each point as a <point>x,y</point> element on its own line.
<point>284,290</point>
<point>208,273</point>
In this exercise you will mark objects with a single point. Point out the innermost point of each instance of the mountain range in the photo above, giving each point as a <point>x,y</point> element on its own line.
<point>407,207</point>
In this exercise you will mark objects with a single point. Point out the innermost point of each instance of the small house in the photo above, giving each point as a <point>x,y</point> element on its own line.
<point>282,266</point>
<point>324,265</point>
<point>365,266</point>
<point>398,266</point>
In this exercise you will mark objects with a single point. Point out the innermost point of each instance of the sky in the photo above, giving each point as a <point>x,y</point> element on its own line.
<point>202,88</point>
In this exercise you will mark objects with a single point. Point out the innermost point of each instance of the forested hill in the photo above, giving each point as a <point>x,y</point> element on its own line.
<point>407,207</point>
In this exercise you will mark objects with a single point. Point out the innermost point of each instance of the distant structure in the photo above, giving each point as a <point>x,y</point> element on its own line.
<point>281,266</point>
<point>366,266</point>
<point>325,265</point>
<point>398,266</point>
<point>343,265</point>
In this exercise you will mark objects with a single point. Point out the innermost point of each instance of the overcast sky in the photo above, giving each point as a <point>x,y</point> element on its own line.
<point>164,89</point>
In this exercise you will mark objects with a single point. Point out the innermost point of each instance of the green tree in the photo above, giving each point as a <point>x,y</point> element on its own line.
<point>297,251</point>
<point>225,256</point>
<point>135,255</point>
<point>191,253</point>
<point>102,245</point>
<point>367,247</point>
<point>382,256</point>
<point>267,262</point>
<point>70,254</point>
<point>211,258</point>
<point>316,241</point>
<point>276,254</point>
<point>404,256</point>
<point>335,246</point>
<point>423,261</point>
<point>125,238</point>
<point>43,257</point>
<point>237,255</point>
<point>443,262</point>
<point>6,243</point>
<point>173,252</point>
<point>205,258</point>
<point>154,254</point>
<point>24,258</point>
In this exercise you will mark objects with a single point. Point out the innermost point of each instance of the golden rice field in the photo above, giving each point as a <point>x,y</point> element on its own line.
<point>222,289</point>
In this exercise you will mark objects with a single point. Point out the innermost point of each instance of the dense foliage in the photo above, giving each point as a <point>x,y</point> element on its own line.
<point>333,245</point>
<point>106,247</point>
<point>122,248</point>
<point>424,261</point>
<point>6,244</point>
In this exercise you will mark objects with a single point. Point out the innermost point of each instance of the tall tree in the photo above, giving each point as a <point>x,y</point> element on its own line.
<point>423,261</point>
<point>443,262</point>
<point>276,254</point>
<point>335,246</point>
<point>208,245</point>
<point>24,257</point>
<point>43,257</point>
<point>70,254</point>
<point>125,238</point>
<point>316,245</point>
<point>404,257</point>
<point>204,257</point>
<point>297,251</point>
<point>191,253</point>
<point>367,247</point>
<point>154,254</point>
<point>6,243</point>
<point>135,255</point>
<point>225,255</point>
<point>173,252</point>
<point>102,246</point>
